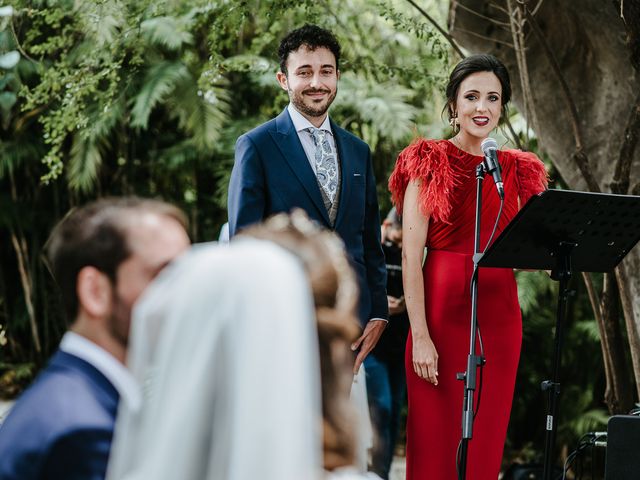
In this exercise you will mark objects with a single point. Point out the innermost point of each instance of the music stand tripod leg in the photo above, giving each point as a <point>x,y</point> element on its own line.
<point>561,273</point>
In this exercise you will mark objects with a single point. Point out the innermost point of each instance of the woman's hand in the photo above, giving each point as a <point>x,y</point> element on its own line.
<point>425,359</point>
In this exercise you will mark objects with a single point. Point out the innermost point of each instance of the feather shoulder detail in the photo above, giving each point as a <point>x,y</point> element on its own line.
<point>428,162</point>
<point>531,175</point>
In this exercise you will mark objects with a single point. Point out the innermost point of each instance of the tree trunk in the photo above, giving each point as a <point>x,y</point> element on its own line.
<point>627,276</point>
<point>580,58</point>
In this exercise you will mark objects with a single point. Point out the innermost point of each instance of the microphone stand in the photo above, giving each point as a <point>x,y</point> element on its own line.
<point>473,361</point>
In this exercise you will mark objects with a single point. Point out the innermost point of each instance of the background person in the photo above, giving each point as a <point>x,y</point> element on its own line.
<point>433,186</point>
<point>301,159</point>
<point>384,367</point>
<point>102,256</point>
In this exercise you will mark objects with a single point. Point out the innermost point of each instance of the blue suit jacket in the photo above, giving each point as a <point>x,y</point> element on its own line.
<point>61,427</point>
<point>272,174</point>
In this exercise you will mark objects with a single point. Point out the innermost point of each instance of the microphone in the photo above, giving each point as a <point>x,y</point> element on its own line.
<point>490,149</point>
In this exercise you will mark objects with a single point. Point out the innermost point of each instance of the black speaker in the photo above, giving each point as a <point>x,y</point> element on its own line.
<point>623,448</point>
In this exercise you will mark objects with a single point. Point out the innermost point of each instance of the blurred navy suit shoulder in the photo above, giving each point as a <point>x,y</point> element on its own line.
<point>272,174</point>
<point>62,425</point>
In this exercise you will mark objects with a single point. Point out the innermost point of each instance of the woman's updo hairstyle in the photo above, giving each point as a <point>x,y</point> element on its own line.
<point>475,64</point>
<point>335,293</point>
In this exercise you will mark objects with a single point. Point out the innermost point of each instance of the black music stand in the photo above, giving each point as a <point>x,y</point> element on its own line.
<point>566,231</point>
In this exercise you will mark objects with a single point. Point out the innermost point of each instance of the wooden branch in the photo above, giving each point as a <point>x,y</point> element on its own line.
<point>619,397</point>
<point>628,307</point>
<point>517,23</point>
<point>526,3</point>
<point>445,34</point>
<point>484,17</point>
<point>582,162</point>
<point>593,296</point>
<point>629,12</point>
<point>514,135</point>
<point>18,46</point>
<point>605,346</point>
<point>25,280</point>
<point>484,37</point>
<point>537,7</point>
<point>579,157</point>
<point>499,8</point>
<point>621,177</point>
<point>20,248</point>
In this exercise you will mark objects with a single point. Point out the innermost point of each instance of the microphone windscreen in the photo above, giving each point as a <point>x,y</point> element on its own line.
<point>488,144</point>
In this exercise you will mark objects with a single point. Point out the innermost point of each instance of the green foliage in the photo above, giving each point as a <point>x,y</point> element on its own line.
<point>160,80</point>
<point>113,97</point>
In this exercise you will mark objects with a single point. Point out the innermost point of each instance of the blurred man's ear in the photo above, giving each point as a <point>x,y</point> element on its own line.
<point>94,292</point>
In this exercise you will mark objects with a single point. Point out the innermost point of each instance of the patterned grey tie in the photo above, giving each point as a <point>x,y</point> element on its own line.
<point>326,163</point>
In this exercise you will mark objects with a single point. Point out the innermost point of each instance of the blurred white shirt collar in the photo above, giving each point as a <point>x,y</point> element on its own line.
<point>105,363</point>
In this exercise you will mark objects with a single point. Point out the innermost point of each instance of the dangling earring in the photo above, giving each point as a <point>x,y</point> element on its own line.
<point>453,122</point>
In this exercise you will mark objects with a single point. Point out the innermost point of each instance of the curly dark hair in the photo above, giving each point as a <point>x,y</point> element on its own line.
<point>312,37</point>
<point>475,64</point>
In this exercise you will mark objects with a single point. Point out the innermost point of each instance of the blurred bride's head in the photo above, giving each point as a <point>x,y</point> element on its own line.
<point>335,293</point>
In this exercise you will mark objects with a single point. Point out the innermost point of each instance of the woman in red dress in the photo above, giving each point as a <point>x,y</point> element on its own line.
<point>434,186</point>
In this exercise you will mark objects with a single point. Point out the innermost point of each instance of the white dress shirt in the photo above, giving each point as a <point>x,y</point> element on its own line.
<point>301,125</point>
<point>122,380</point>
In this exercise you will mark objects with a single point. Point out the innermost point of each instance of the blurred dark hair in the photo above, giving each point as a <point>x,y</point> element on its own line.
<point>475,64</point>
<point>97,235</point>
<point>312,37</point>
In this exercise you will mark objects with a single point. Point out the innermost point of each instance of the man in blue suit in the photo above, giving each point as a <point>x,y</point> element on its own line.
<point>301,159</point>
<point>102,256</point>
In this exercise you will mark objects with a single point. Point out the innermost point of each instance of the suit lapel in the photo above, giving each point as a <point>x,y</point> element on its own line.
<point>346,156</point>
<point>286,138</point>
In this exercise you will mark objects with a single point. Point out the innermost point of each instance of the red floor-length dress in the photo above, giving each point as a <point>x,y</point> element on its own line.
<point>448,190</point>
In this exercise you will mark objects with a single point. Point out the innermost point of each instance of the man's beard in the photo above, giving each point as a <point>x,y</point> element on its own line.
<point>120,321</point>
<point>311,111</point>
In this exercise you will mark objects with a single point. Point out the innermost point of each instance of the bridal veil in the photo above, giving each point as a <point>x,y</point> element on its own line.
<point>225,347</point>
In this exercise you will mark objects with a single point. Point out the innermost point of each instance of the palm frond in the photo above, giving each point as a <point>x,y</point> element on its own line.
<point>88,145</point>
<point>102,20</point>
<point>17,152</point>
<point>531,286</point>
<point>85,161</point>
<point>176,156</point>
<point>168,32</point>
<point>384,107</point>
<point>201,113</point>
<point>249,63</point>
<point>159,82</point>
<point>590,420</point>
<point>589,328</point>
